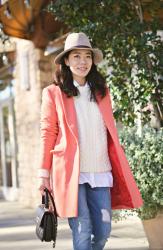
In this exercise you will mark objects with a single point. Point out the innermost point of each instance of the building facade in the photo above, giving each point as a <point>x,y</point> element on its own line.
<point>20,119</point>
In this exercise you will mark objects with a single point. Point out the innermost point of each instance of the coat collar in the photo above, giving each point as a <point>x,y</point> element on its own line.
<point>106,111</point>
<point>70,113</point>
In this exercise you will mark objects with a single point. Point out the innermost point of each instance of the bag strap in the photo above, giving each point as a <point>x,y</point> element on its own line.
<point>45,200</point>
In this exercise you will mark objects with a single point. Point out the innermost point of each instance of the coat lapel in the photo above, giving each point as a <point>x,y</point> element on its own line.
<point>107,114</point>
<point>70,113</point>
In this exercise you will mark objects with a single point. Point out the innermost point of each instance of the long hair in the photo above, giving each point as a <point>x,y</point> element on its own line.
<point>64,79</point>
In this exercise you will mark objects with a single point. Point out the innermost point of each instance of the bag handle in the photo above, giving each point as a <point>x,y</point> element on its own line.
<point>45,200</point>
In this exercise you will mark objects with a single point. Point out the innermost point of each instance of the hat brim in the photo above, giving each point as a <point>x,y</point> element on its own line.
<point>97,55</point>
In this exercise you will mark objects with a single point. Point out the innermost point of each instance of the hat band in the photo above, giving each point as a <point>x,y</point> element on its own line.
<point>83,46</point>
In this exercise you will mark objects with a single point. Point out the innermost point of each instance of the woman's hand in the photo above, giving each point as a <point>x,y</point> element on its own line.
<point>44,183</point>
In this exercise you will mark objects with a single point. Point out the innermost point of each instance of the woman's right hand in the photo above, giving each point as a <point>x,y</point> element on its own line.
<point>44,183</point>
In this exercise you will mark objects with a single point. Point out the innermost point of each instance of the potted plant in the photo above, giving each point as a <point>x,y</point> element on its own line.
<point>145,155</point>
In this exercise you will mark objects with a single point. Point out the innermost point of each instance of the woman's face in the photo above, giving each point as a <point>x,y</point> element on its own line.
<point>80,63</point>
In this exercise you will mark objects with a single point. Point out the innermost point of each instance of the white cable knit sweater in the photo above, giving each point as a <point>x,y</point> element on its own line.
<point>92,133</point>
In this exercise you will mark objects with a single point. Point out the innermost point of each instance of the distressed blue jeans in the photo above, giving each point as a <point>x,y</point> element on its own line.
<point>92,227</point>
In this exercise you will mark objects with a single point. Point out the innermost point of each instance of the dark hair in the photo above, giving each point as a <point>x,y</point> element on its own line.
<point>63,78</point>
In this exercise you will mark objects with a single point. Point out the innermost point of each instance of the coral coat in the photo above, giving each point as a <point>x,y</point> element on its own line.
<point>60,153</point>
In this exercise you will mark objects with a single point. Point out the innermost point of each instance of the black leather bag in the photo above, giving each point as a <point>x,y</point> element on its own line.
<point>46,219</point>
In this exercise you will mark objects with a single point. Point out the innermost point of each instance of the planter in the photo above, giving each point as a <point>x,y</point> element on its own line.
<point>154,232</point>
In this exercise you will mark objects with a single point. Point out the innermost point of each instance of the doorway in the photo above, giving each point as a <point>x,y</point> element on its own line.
<point>9,179</point>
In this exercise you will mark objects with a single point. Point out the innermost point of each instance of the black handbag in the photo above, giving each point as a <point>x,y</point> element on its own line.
<point>46,219</point>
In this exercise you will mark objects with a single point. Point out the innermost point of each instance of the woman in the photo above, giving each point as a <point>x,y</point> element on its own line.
<point>80,150</point>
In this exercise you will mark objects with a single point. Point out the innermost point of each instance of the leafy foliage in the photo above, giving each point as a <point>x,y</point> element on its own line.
<point>133,50</point>
<point>145,156</point>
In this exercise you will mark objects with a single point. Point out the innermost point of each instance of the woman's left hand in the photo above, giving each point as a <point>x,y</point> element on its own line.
<point>44,183</point>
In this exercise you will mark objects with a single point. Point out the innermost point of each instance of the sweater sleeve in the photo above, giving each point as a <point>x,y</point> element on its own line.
<point>48,129</point>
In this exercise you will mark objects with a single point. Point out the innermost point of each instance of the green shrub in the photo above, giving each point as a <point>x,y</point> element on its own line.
<point>145,156</point>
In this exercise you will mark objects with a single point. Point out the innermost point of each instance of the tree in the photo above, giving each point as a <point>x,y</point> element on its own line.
<point>132,47</point>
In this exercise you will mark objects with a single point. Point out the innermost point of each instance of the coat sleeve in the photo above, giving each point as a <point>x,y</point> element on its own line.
<point>48,129</point>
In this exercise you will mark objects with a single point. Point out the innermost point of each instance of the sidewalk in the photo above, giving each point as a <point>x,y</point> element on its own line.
<point>17,232</point>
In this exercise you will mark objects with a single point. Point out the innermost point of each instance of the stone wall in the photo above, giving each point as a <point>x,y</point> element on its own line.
<point>0,171</point>
<point>33,72</point>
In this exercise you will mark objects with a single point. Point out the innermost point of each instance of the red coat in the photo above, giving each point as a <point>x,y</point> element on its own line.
<point>60,153</point>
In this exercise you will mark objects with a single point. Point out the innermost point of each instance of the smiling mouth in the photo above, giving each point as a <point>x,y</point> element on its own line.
<point>82,69</point>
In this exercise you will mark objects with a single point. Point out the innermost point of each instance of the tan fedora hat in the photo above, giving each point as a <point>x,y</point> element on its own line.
<point>79,41</point>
